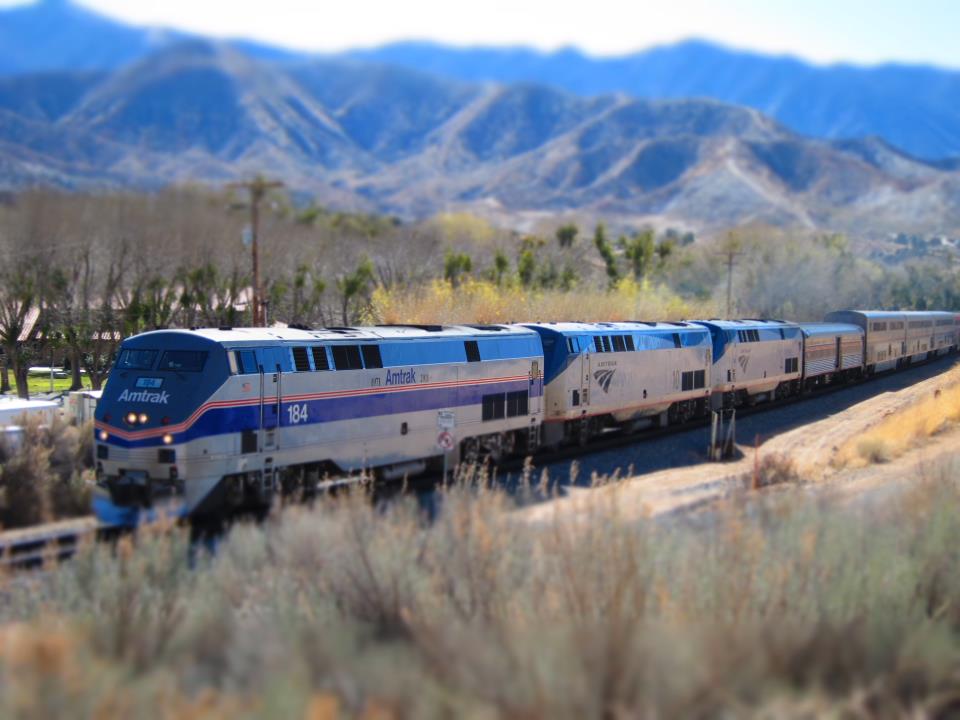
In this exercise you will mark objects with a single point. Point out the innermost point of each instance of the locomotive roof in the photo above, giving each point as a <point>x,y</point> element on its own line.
<point>813,329</point>
<point>376,332</point>
<point>749,323</point>
<point>630,326</point>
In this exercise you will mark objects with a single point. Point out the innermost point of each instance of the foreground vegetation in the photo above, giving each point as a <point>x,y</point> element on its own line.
<point>777,605</point>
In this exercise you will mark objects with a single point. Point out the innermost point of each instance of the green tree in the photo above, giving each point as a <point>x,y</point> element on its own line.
<point>567,235</point>
<point>606,252</point>
<point>501,264</point>
<point>526,267</point>
<point>454,265</point>
<point>640,251</point>
<point>354,286</point>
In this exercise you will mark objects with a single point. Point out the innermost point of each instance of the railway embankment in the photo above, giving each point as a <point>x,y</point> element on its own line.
<point>892,438</point>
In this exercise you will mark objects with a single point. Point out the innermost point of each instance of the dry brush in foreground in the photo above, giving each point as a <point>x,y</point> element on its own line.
<point>777,605</point>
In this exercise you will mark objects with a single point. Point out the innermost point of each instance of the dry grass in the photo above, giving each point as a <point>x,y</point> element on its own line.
<point>776,605</point>
<point>485,302</point>
<point>903,430</point>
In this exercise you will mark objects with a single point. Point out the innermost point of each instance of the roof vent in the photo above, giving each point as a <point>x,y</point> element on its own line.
<point>490,328</point>
<point>425,328</point>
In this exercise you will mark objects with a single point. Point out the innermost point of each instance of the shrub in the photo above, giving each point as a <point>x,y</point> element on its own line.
<point>874,450</point>
<point>775,605</point>
<point>48,476</point>
<point>775,469</point>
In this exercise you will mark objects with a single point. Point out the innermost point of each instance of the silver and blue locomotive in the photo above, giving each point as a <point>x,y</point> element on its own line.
<point>198,422</point>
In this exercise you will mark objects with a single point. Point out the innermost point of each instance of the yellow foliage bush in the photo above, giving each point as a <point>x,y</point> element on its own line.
<point>482,301</point>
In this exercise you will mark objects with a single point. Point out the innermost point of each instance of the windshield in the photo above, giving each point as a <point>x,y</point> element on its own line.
<point>183,360</point>
<point>136,359</point>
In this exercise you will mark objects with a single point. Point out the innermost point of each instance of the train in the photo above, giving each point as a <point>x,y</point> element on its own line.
<point>203,422</point>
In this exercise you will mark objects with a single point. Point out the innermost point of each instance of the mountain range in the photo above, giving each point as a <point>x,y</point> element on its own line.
<point>391,130</point>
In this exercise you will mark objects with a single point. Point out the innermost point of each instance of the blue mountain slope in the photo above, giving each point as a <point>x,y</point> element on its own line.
<point>915,108</point>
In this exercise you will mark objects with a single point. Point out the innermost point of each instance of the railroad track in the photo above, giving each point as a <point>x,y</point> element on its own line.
<point>33,548</point>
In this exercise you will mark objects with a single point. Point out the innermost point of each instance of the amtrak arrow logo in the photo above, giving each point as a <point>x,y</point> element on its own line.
<point>603,378</point>
<point>743,360</point>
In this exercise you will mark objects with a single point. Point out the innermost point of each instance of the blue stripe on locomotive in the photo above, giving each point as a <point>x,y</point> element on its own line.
<point>220,421</point>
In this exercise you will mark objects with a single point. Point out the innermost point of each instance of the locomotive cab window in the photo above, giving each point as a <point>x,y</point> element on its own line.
<point>183,360</point>
<point>136,359</point>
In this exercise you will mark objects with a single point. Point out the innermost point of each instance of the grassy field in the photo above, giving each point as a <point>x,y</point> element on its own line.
<point>775,605</point>
<point>40,384</point>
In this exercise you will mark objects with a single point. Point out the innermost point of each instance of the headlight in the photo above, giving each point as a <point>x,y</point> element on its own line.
<point>131,418</point>
<point>143,418</point>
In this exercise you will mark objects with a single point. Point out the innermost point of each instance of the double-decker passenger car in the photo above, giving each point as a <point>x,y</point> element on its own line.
<point>621,375</point>
<point>896,338</point>
<point>753,360</point>
<point>831,351</point>
<point>213,419</point>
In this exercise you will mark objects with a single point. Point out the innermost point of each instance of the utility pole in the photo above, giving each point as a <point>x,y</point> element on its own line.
<point>257,190</point>
<point>731,252</point>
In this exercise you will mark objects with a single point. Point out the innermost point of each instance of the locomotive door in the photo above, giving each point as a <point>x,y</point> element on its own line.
<point>585,384</point>
<point>534,388</point>
<point>269,408</point>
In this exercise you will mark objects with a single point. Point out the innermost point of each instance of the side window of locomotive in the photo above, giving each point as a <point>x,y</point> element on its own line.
<point>493,406</point>
<point>320,361</point>
<point>245,362</point>
<point>301,361</point>
<point>347,357</point>
<point>472,350</point>
<point>371,356</point>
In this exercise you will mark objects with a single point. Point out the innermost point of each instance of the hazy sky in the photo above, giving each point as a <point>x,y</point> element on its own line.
<point>864,31</point>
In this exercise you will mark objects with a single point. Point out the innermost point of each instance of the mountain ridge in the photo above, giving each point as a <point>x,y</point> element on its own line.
<point>913,107</point>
